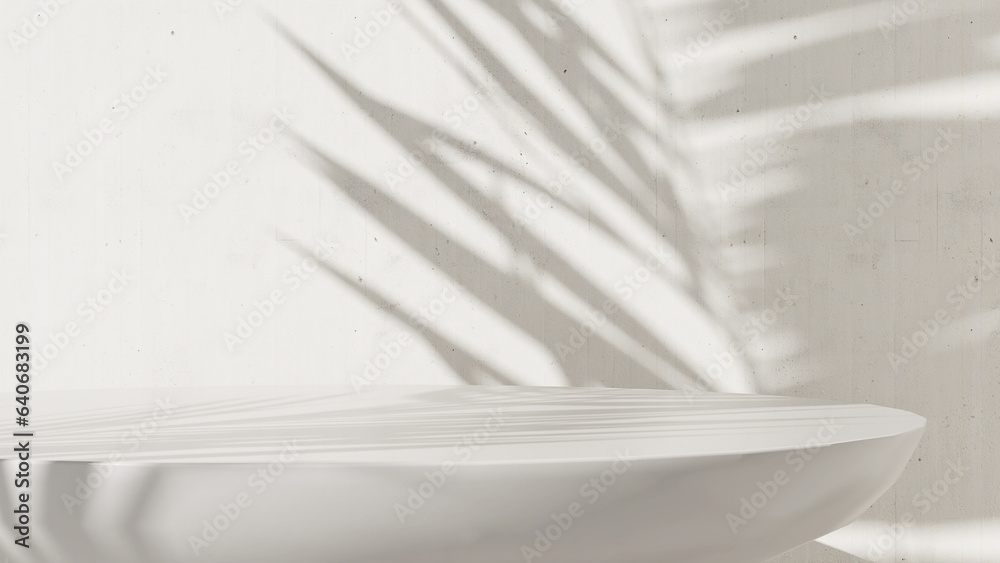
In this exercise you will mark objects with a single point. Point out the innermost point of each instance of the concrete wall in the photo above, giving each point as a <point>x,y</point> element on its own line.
<point>778,197</point>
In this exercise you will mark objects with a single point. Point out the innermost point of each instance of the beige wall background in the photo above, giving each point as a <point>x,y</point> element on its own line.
<point>777,197</point>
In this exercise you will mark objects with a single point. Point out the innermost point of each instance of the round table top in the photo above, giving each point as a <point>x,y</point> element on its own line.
<point>432,425</point>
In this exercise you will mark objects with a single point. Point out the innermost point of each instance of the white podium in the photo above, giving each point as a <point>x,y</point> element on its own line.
<point>441,474</point>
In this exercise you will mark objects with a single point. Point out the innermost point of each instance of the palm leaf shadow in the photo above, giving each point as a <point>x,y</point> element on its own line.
<point>460,261</point>
<point>506,293</point>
